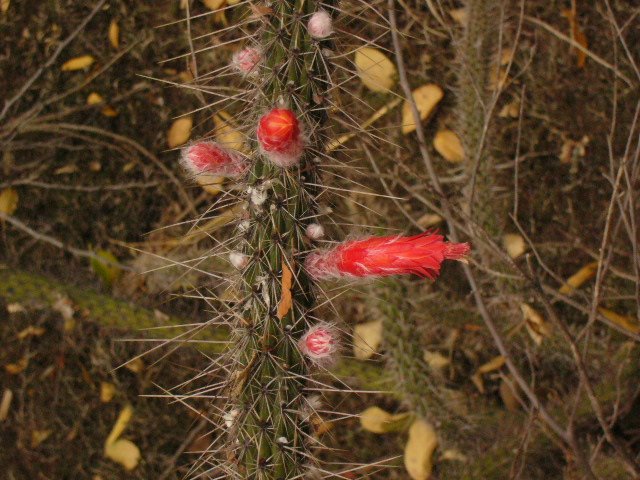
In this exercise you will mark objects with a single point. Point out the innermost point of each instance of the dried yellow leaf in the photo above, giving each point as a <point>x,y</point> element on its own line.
<point>448,144</point>
<point>179,132</point>
<point>8,201</point>
<point>114,34</point>
<point>493,364</point>
<point>94,98</point>
<point>17,367</point>
<point>375,70</point>
<point>514,244</point>
<point>5,404</point>
<point>426,98</point>
<point>508,396</point>
<point>78,63</point>
<point>574,281</point>
<point>459,15</point>
<point>510,110</point>
<point>39,436</point>
<point>377,420</point>
<point>435,360</point>
<point>454,455</point>
<point>366,339</point>
<point>286,298</point>
<point>212,184</point>
<point>136,365</point>
<point>213,4</point>
<point>418,452</point>
<point>626,322</point>
<point>107,392</point>
<point>536,325</point>
<point>227,133</point>
<point>429,220</point>
<point>124,452</point>
<point>4,5</point>
<point>30,331</point>
<point>109,111</point>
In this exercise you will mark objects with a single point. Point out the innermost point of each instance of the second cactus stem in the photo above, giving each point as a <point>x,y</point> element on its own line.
<point>271,437</point>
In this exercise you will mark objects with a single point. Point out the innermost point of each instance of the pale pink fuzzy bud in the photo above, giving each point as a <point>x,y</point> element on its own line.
<point>280,137</point>
<point>420,254</point>
<point>320,342</point>
<point>320,25</point>
<point>246,60</point>
<point>314,231</point>
<point>238,260</point>
<point>212,158</point>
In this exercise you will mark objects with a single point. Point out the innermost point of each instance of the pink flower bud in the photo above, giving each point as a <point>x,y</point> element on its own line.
<point>280,137</point>
<point>320,342</point>
<point>246,60</point>
<point>314,231</point>
<point>383,256</point>
<point>238,260</point>
<point>320,25</point>
<point>212,158</point>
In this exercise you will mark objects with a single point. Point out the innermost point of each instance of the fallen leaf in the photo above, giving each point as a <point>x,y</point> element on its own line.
<point>367,338</point>
<point>5,404</point>
<point>122,451</point>
<point>213,4</point>
<point>510,110</point>
<point>377,420</point>
<point>286,298</point>
<point>107,392</point>
<point>429,220</point>
<point>212,184</point>
<point>109,111</point>
<point>94,98</point>
<point>39,436</point>
<point>66,170</point>
<point>106,267</point>
<point>4,5</point>
<point>577,35</point>
<point>418,452</point>
<point>426,98</point>
<point>454,455</point>
<point>508,395</point>
<point>114,34</point>
<point>536,325</point>
<point>375,70</point>
<point>15,308</point>
<point>226,132</point>
<point>17,367</point>
<point>435,360</point>
<point>30,331</point>
<point>459,15</point>
<point>8,201</point>
<point>626,322</point>
<point>514,244</point>
<point>179,132</point>
<point>572,150</point>
<point>493,364</point>
<point>448,144</point>
<point>78,63</point>
<point>136,365</point>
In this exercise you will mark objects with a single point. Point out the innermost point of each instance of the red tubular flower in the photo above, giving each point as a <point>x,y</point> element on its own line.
<point>211,158</point>
<point>320,342</point>
<point>280,137</point>
<point>383,256</point>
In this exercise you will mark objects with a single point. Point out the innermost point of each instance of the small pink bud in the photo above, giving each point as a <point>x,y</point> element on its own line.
<point>320,342</point>
<point>314,231</point>
<point>280,137</point>
<point>320,25</point>
<point>238,260</point>
<point>420,254</point>
<point>246,60</point>
<point>212,158</point>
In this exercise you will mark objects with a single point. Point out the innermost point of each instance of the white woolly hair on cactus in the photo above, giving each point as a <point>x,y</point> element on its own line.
<point>247,60</point>
<point>208,157</point>
<point>320,25</point>
<point>320,343</point>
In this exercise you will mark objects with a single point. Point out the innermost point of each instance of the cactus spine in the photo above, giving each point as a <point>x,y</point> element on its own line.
<point>270,438</point>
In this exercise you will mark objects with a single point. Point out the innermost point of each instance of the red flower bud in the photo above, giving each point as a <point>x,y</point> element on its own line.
<point>320,342</point>
<point>245,60</point>
<point>280,137</point>
<point>383,256</point>
<point>211,158</point>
